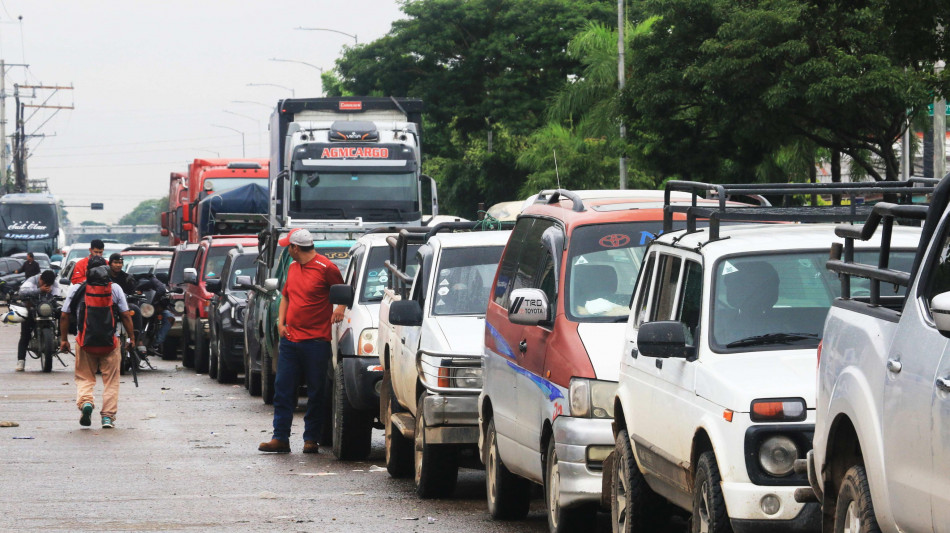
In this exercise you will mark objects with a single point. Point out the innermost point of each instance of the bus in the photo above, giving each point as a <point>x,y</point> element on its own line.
<point>29,222</point>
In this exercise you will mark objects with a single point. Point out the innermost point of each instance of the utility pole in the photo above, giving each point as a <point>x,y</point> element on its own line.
<point>20,150</point>
<point>621,81</point>
<point>4,153</point>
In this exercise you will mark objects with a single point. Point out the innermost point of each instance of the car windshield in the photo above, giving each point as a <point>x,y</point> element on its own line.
<point>375,275</point>
<point>463,281</point>
<point>602,270</point>
<point>340,256</point>
<point>243,265</point>
<point>782,299</point>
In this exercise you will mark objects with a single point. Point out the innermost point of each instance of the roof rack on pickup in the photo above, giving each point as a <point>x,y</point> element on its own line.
<point>750,213</point>
<point>399,243</point>
<point>553,196</point>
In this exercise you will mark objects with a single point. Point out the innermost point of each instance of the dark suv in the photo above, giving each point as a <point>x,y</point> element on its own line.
<point>226,314</point>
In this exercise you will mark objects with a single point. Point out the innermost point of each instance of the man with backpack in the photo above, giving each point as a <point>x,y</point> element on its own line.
<point>97,347</point>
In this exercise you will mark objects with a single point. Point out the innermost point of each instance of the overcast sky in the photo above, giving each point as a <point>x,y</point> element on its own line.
<point>150,79</point>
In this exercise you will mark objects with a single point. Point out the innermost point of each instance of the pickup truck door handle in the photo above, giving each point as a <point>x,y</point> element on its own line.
<point>523,346</point>
<point>893,365</point>
<point>634,353</point>
<point>943,384</point>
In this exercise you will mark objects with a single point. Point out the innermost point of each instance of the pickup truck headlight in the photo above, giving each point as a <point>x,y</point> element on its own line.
<point>592,398</point>
<point>468,377</point>
<point>367,344</point>
<point>237,314</point>
<point>777,455</point>
<point>778,410</point>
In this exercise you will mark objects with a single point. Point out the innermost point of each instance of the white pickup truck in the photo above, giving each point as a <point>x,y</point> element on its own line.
<point>881,455</point>
<point>431,343</point>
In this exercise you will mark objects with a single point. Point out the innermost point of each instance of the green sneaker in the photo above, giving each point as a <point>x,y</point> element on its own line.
<point>107,422</point>
<point>86,418</point>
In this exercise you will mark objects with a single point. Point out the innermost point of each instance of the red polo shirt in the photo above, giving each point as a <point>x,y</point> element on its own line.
<point>79,271</point>
<point>307,290</point>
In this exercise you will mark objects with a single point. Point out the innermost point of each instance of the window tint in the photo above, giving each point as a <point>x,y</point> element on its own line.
<point>533,254</point>
<point>463,279</point>
<point>215,262</point>
<point>691,298</point>
<point>183,259</point>
<point>646,277</point>
<point>509,261</point>
<point>666,284</point>
<point>375,275</point>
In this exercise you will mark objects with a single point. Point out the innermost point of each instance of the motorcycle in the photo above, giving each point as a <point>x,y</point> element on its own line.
<point>44,309</point>
<point>9,286</point>
<point>134,356</point>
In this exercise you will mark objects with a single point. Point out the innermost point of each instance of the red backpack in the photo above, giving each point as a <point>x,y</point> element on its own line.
<point>96,319</point>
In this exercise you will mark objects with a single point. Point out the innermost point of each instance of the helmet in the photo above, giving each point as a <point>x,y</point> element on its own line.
<point>15,315</point>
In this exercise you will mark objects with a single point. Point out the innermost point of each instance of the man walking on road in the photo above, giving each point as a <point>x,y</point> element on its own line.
<point>303,323</point>
<point>87,363</point>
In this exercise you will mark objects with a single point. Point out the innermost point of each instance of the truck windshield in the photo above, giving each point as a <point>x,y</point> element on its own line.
<point>375,275</point>
<point>782,299</point>
<point>373,196</point>
<point>463,281</point>
<point>602,270</point>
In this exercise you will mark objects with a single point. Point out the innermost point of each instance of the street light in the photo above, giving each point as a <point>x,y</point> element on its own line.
<point>260,141</point>
<point>268,106</point>
<point>243,153</point>
<point>272,85</point>
<point>355,39</point>
<point>303,63</point>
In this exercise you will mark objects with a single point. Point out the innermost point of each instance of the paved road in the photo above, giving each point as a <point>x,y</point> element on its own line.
<point>184,457</point>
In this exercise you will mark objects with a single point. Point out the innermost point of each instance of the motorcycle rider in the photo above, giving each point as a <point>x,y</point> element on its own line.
<point>168,318</point>
<point>44,282</point>
<point>127,284</point>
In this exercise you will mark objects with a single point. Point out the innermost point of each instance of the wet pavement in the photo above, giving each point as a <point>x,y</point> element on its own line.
<point>183,457</point>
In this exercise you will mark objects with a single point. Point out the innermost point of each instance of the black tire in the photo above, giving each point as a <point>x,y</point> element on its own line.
<point>326,429</point>
<point>213,344</point>
<point>47,348</point>
<point>398,448</point>
<point>352,428</point>
<point>124,367</point>
<point>170,348</point>
<point>187,351</point>
<point>201,350</point>
<point>560,519</point>
<point>508,495</point>
<point>254,383</point>
<point>854,510</point>
<point>709,506</point>
<point>634,507</point>
<point>223,373</point>
<point>267,378</point>
<point>436,466</point>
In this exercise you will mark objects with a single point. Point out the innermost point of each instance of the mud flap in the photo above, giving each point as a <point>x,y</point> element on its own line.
<point>606,479</point>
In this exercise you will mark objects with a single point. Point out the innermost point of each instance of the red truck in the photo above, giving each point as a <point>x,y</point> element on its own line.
<point>212,251</point>
<point>205,177</point>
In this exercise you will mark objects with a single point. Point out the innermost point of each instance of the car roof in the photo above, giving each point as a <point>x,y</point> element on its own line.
<point>231,240</point>
<point>471,238</point>
<point>610,206</point>
<point>779,237</point>
<point>147,252</point>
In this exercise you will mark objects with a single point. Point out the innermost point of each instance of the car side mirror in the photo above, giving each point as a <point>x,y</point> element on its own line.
<point>940,307</point>
<point>189,275</point>
<point>342,294</point>
<point>405,313</point>
<point>664,338</point>
<point>528,307</point>
<point>271,284</point>
<point>244,282</point>
<point>213,285</point>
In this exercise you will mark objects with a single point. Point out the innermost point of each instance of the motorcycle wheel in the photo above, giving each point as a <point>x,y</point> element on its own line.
<point>124,367</point>
<point>47,348</point>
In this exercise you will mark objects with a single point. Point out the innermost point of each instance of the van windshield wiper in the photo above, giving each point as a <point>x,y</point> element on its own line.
<point>772,338</point>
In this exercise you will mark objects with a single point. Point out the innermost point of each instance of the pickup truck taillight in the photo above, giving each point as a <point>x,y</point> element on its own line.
<point>819,354</point>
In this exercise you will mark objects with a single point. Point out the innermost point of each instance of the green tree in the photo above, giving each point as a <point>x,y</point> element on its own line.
<point>147,212</point>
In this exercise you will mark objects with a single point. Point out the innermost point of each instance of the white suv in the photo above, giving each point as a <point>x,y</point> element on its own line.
<point>717,378</point>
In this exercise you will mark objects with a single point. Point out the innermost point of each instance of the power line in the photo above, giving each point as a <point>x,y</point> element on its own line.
<point>140,143</point>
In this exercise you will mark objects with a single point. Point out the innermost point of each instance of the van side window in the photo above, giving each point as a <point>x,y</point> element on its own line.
<point>545,280</point>
<point>691,299</point>
<point>646,276</point>
<point>533,257</point>
<point>509,261</point>
<point>666,282</point>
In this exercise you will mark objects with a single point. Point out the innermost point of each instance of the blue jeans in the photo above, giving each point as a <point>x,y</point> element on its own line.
<point>168,320</point>
<point>295,360</point>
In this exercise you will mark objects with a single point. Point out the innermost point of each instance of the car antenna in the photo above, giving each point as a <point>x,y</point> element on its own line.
<point>556,173</point>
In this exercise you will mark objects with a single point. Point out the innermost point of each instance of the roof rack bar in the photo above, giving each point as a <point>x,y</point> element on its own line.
<point>550,197</point>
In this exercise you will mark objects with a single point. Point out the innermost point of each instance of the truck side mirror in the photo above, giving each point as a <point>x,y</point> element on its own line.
<point>341,294</point>
<point>940,307</point>
<point>664,338</point>
<point>271,285</point>
<point>189,275</point>
<point>213,285</point>
<point>529,307</point>
<point>405,313</point>
<point>244,282</point>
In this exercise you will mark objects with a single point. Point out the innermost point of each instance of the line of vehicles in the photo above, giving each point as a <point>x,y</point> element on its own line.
<point>648,353</point>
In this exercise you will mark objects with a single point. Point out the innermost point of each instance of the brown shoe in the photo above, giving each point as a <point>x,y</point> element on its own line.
<point>274,446</point>
<point>311,446</point>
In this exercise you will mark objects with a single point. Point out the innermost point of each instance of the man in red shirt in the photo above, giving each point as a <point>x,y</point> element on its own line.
<point>96,247</point>
<point>303,323</point>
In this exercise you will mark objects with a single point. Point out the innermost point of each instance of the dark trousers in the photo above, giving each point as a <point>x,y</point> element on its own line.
<point>296,361</point>
<point>26,331</point>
